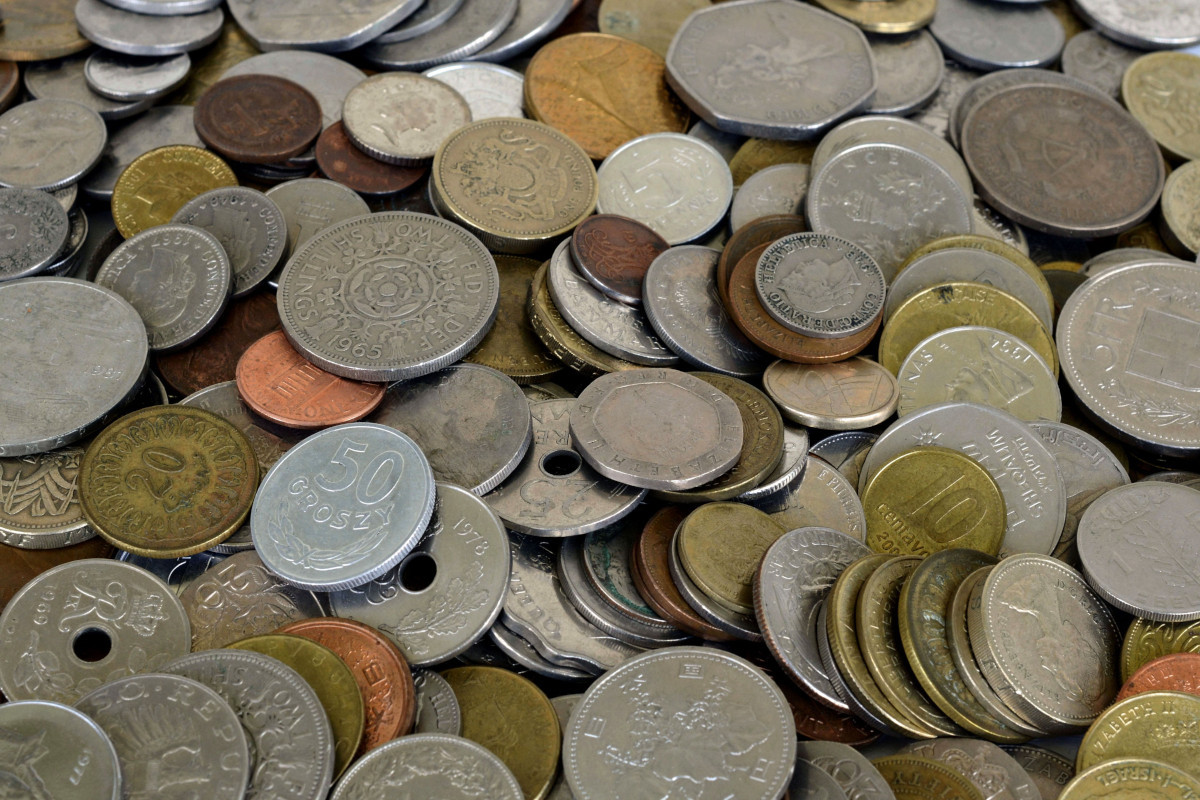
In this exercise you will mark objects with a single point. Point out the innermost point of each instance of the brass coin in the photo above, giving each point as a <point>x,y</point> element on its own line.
<point>1059,266</point>
<point>1145,236</point>
<point>330,678</point>
<point>973,241</point>
<point>756,155</point>
<point>950,305</point>
<point>159,183</point>
<point>168,481</point>
<point>912,778</point>
<point>932,498</point>
<point>1146,640</point>
<point>1157,89</point>
<point>561,340</point>
<point>924,617</point>
<point>1135,779</point>
<point>876,615</point>
<point>893,16</point>
<point>511,346</point>
<point>513,719</point>
<point>721,545</point>
<point>1158,726</point>
<point>1181,209</point>
<point>36,30</point>
<point>762,444</point>
<point>843,396</point>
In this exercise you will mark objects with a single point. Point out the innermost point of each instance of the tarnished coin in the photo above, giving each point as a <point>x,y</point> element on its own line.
<point>607,559</point>
<point>314,25</point>
<point>385,309</point>
<point>138,34</point>
<point>82,624</point>
<point>156,127</point>
<point>824,498</point>
<point>1138,776</point>
<point>310,205</point>
<point>327,77</point>
<point>657,428</point>
<point>341,161</point>
<point>1177,672</point>
<point>992,771</point>
<point>1049,771</point>
<point>997,35</point>
<point>1147,27</point>
<point>843,396</point>
<point>39,505</point>
<point>34,31</point>
<point>721,545</point>
<point>937,115</point>
<point>732,623</point>
<point>1095,58</point>
<point>916,778</point>
<point>1152,89</point>
<point>57,750</point>
<point>1155,725</point>
<point>437,708</point>
<point>157,184</point>
<point>489,89</point>
<point>476,24</point>
<point>402,118</point>
<point>343,507</point>
<point>39,228</point>
<point>249,226</point>
<point>614,253</point>
<point>427,765</point>
<point>48,144</point>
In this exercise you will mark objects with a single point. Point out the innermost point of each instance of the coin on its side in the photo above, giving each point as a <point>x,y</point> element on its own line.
<point>155,185</point>
<point>249,226</point>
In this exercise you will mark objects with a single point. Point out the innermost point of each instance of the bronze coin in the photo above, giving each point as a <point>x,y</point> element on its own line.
<point>341,161</point>
<point>214,358</point>
<point>379,667</point>
<point>763,230</point>
<point>18,567</point>
<point>10,83</point>
<point>1177,672</point>
<point>258,119</point>
<point>281,386</point>
<point>614,252</point>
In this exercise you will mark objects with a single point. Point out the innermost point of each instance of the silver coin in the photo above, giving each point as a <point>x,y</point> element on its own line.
<point>1096,59</point>
<point>727,144</point>
<point>153,719</point>
<point>553,492</point>
<point>1145,24</point>
<point>845,452</point>
<point>736,67</point>
<point>525,655</point>
<point>342,507</point>
<point>889,200</point>
<point>35,232</point>
<point>989,222</point>
<point>329,79</point>
<point>786,475</point>
<point>936,116</point>
<point>538,610</point>
<point>177,277</point>
<point>402,118</point>
<point>131,78</point>
<point>437,707</point>
<point>819,286</point>
<point>844,395</point>
<point>53,629</point>
<point>795,576</point>
<point>177,573</point>
<point>910,69</point>
<point>66,196</point>
<point>447,592</point>
<point>48,144</point>
<point>564,705</point>
<point>839,684</point>
<point>733,623</point>
<point>779,189</point>
<point>612,326</point>
<point>974,364</point>
<point>677,185</point>
<point>311,205</point>
<point>471,422</point>
<point>680,300</point>
<point>810,782</point>
<point>143,34</point>
<point>77,233</point>
<point>323,25</point>
<point>429,765</point>
<point>606,556</point>
<point>165,7</point>
<point>39,501</point>
<point>1049,771</point>
<point>990,35</point>
<point>982,763</point>
<point>534,21</point>
<point>429,15</point>
<point>741,710</point>
<point>74,351</point>
<point>489,89</point>
<point>65,79</point>
<point>53,751</point>
<point>854,773</point>
<point>1122,256</point>
<point>1026,472</point>
<point>476,24</point>
<point>157,127</point>
<point>249,226</point>
<point>291,743</point>
<point>657,429</point>
<point>1127,353</point>
<point>824,498</point>
<point>989,85</point>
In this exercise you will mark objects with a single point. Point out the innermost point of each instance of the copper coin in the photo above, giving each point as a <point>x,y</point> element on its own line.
<point>18,567</point>
<point>380,669</point>
<point>614,252</point>
<point>652,576</point>
<point>752,319</point>
<point>214,358</point>
<point>341,161</point>
<point>280,385</point>
<point>10,83</point>
<point>763,230</point>
<point>258,119</point>
<point>1177,672</point>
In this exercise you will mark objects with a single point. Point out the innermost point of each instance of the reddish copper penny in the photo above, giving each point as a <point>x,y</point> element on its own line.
<point>258,119</point>
<point>10,83</point>
<point>380,669</point>
<point>18,567</point>
<point>614,252</point>
<point>341,161</point>
<point>763,230</point>
<point>280,385</point>
<point>1178,672</point>
<point>214,358</point>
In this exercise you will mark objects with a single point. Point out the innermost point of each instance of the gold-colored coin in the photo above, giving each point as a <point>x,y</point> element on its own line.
<point>841,628</point>
<point>876,618</point>
<point>168,481</point>
<point>758,154</point>
<point>1158,89</point>
<point>208,65</point>
<point>972,241</point>
<point>1145,236</point>
<point>1132,779</point>
<point>602,91</point>
<point>932,498</point>
<point>159,183</point>
<point>1181,209</point>
<point>1060,266</point>
<point>560,338</point>
<point>514,720</point>
<point>924,617</point>
<point>720,547</point>
<point>511,346</point>
<point>913,778</point>
<point>892,16</point>
<point>762,444</point>
<point>1147,640</point>
<point>1158,726</point>
<point>36,30</point>
<point>472,183</point>
<point>651,25</point>
<point>332,681</point>
<point>949,305</point>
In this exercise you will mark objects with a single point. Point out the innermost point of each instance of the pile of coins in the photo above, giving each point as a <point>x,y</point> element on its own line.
<point>501,399</point>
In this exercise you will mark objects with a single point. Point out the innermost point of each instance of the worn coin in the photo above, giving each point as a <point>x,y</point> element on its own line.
<point>992,771</point>
<point>1157,725</point>
<point>178,573</point>
<point>1146,641</point>
<point>775,190</point>
<point>472,27</point>
<point>48,144</point>
<point>721,545</point>
<point>65,79</point>
<point>823,498</point>
<point>437,708</point>
<point>732,623</point>
<point>156,127</point>
<point>328,78</point>
<point>1093,57</point>
<point>607,559</point>
<point>753,234</point>
<point>427,765</point>
<point>341,161</point>
<point>1177,672</point>
<point>57,750</point>
<point>310,205</point>
<point>318,24</point>
<point>157,184</point>
<point>652,26</point>
<point>1138,776</point>
<point>843,396</point>
<point>1049,771</point>
<point>137,34</point>
<point>38,229</point>
<point>991,36</point>
<point>916,778</point>
<point>35,31</point>
<point>1180,220</point>
<point>910,69</point>
<point>852,771</point>
<point>512,346</point>
<point>1147,27</point>
<point>249,226</point>
<point>489,89</point>
<point>614,253</point>
<point>39,501</point>
<point>402,118</point>
<point>845,452</point>
<point>258,119</point>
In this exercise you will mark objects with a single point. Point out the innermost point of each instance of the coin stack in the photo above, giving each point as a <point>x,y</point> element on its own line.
<point>509,399</point>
